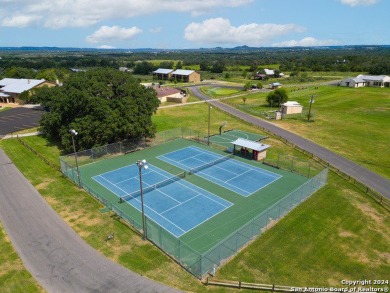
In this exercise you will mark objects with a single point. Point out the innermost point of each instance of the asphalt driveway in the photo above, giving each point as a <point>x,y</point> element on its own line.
<point>53,253</point>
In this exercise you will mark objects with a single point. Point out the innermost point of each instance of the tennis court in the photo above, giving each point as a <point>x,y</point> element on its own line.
<point>228,136</point>
<point>196,219</point>
<point>172,202</point>
<point>225,171</point>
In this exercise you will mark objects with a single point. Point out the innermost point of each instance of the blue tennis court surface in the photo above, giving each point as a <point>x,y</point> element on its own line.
<point>175,204</point>
<point>232,174</point>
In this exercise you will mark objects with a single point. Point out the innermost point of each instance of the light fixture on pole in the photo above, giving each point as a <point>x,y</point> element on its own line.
<point>142,165</point>
<point>73,134</point>
<point>208,132</point>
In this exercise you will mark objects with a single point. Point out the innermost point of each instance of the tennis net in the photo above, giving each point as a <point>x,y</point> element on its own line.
<point>207,165</point>
<point>165,182</point>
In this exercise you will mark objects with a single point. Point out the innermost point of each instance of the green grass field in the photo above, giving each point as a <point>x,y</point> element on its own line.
<point>339,233</point>
<point>351,122</point>
<point>219,92</point>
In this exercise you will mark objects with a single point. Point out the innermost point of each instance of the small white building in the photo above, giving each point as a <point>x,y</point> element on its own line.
<point>291,107</point>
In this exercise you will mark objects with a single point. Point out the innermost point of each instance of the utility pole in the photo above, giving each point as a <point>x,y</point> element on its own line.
<point>311,102</point>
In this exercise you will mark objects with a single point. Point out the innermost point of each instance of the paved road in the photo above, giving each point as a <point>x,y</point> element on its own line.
<point>361,174</point>
<point>17,119</point>
<point>53,253</point>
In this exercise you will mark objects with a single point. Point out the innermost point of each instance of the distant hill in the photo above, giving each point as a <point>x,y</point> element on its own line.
<point>243,48</point>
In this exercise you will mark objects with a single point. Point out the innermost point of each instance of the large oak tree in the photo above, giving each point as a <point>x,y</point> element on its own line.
<point>103,105</point>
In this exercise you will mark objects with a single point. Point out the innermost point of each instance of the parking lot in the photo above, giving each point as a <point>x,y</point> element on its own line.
<point>17,119</point>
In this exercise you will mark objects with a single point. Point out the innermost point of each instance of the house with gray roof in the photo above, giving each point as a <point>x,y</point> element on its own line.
<point>11,88</point>
<point>180,75</point>
<point>162,74</point>
<point>366,80</point>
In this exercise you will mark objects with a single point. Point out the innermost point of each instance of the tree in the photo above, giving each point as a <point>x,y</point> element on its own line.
<point>103,105</point>
<point>217,67</point>
<point>204,66</point>
<point>247,86</point>
<point>277,97</point>
<point>179,65</point>
<point>143,67</point>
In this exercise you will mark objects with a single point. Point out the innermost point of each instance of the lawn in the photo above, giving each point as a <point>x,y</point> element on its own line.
<point>13,275</point>
<point>220,92</point>
<point>351,122</point>
<point>339,233</point>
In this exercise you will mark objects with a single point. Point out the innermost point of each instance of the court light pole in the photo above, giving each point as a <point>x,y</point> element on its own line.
<point>142,165</point>
<point>73,134</point>
<point>208,132</point>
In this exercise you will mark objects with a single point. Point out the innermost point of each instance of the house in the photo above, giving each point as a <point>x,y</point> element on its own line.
<point>291,107</point>
<point>186,75</point>
<point>269,72</point>
<point>259,76</point>
<point>275,85</point>
<point>11,88</point>
<point>353,82</point>
<point>162,74</point>
<point>169,94</point>
<point>366,80</point>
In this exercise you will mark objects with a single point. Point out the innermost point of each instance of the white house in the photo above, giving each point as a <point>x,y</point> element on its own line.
<point>269,72</point>
<point>366,80</point>
<point>11,88</point>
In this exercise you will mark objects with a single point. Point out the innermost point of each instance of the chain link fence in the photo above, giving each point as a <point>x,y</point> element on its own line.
<point>198,264</point>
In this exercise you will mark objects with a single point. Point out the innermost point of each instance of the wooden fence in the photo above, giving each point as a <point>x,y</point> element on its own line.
<point>252,286</point>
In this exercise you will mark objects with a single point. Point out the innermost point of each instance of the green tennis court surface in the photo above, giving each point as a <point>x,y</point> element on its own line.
<point>208,212</point>
<point>210,232</point>
<point>228,136</point>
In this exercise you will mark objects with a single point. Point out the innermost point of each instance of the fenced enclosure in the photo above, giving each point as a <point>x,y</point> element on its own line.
<point>198,262</point>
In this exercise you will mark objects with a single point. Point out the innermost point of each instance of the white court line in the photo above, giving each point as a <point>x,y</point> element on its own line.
<point>207,219</point>
<point>242,133</point>
<point>197,191</point>
<point>136,199</point>
<point>137,178</point>
<point>238,175</point>
<point>180,203</point>
<point>111,185</point>
<point>219,180</point>
<point>113,170</point>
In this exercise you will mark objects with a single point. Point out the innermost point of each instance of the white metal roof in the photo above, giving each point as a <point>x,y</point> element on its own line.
<point>163,71</point>
<point>17,86</point>
<point>292,103</point>
<point>253,145</point>
<point>183,72</point>
<point>381,78</point>
<point>269,71</point>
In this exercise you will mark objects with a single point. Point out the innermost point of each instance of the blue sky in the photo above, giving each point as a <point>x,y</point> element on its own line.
<point>184,24</point>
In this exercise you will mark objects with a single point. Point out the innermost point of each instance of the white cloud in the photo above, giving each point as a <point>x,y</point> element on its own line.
<point>77,13</point>
<point>359,2</point>
<point>20,20</point>
<point>306,42</point>
<point>113,33</point>
<point>220,31</point>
